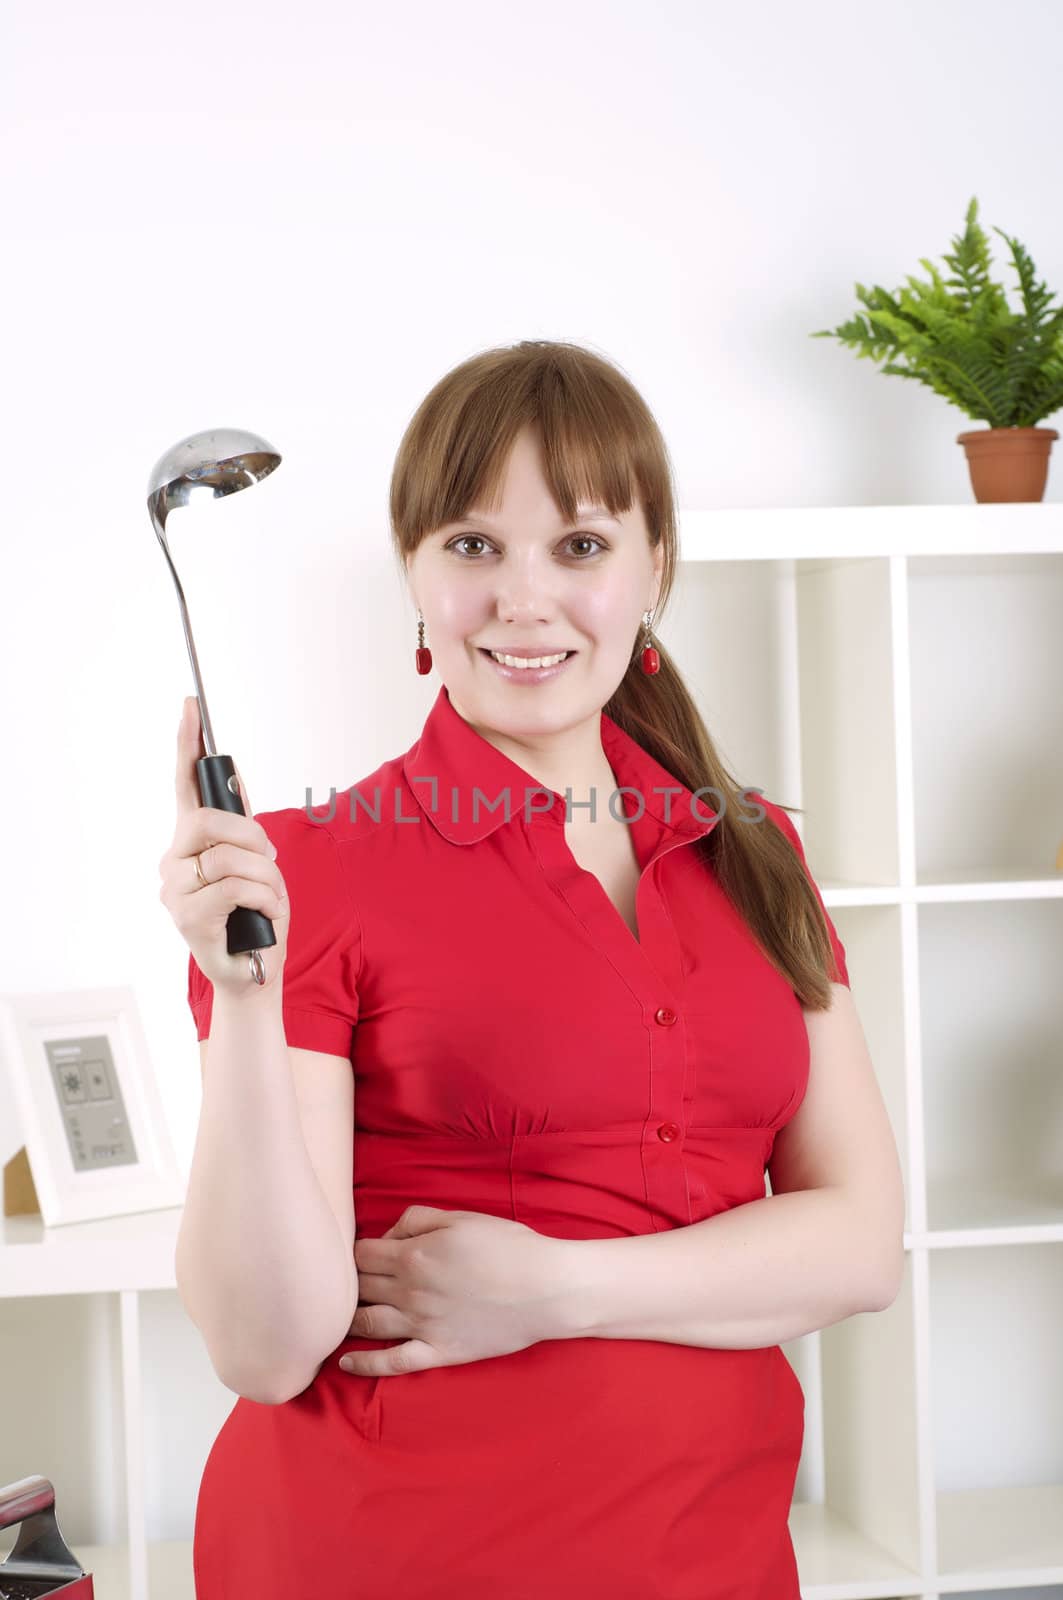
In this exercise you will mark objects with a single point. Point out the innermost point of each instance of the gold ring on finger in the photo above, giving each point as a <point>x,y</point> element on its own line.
<point>199,871</point>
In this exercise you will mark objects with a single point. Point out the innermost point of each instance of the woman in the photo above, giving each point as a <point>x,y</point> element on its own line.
<point>549,1014</point>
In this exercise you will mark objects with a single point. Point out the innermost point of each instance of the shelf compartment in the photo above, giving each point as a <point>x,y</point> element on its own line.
<point>991,1021</point>
<point>996,1394</point>
<point>856,1507</point>
<point>846,640</point>
<point>837,1562</point>
<point>62,1407</point>
<point>791,664</point>
<point>986,682</point>
<point>1006,1537</point>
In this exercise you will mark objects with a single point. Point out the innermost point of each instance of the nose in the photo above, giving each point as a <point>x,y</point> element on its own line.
<point>523,612</point>
<point>524,600</point>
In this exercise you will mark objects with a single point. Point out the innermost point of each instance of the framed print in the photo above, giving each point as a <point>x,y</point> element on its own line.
<point>92,1125</point>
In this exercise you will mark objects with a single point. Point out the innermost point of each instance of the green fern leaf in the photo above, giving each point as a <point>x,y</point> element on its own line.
<point>958,335</point>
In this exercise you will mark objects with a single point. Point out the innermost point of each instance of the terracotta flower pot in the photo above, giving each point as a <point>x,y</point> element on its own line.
<point>1008,463</point>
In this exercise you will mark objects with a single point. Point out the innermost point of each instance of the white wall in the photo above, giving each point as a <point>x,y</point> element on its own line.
<point>296,218</point>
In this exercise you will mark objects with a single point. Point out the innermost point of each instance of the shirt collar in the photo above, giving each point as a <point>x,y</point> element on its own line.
<point>452,765</point>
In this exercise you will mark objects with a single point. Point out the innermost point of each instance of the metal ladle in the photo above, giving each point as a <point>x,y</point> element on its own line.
<point>224,460</point>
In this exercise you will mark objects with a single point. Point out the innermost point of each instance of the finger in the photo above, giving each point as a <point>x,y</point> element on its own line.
<point>378,1256</point>
<point>244,796</point>
<point>413,1356</point>
<point>189,750</point>
<point>380,1322</point>
<point>208,825</point>
<point>374,1288</point>
<point>235,866</point>
<point>417,1219</point>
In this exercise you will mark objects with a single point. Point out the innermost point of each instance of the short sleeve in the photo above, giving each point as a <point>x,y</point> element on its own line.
<point>784,821</point>
<point>322,962</point>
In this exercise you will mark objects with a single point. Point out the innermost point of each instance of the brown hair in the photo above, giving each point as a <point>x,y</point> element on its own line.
<point>600,441</point>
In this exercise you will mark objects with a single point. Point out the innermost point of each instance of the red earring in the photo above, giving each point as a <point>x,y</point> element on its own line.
<point>424,655</point>
<point>651,661</point>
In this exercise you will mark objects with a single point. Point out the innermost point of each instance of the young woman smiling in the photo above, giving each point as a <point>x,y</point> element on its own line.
<point>540,1020</point>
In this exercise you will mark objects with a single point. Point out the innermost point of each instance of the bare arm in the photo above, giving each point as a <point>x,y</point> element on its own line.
<point>827,1242</point>
<point>265,1252</point>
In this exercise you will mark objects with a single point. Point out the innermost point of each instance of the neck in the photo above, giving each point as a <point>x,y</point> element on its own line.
<point>572,758</point>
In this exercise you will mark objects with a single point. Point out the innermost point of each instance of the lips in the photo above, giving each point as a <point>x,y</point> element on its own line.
<point>528,676</point>
<point>526,654</point>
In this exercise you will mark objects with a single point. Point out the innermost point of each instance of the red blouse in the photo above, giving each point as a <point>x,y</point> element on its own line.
<point>517,1051</point>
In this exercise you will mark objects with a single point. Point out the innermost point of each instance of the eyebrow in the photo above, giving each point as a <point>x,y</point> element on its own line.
<point>583,513</point>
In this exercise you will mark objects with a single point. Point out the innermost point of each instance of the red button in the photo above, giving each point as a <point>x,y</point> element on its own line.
<point>668,1131</point>
<point>665,1016</point>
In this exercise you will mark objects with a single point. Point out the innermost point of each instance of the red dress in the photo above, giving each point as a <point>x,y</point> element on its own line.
<point>517,1051</point>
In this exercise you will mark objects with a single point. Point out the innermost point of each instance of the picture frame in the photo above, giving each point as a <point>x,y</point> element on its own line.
<point>95,1143</point>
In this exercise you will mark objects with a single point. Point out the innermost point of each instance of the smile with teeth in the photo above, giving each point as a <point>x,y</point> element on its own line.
<point>528,661</point>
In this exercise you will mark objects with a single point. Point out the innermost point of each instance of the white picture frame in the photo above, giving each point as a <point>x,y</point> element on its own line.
<point>90,1110</point>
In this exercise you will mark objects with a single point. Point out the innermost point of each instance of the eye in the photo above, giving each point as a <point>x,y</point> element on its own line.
<point>586,538</point>
<point>589,538</point>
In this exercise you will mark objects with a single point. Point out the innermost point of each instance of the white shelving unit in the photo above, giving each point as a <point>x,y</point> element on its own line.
<point>77,1391</point>
<point>898,672</point>
<point>903,682</point>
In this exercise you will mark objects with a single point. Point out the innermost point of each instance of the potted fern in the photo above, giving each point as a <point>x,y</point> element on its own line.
<point>959,336</point>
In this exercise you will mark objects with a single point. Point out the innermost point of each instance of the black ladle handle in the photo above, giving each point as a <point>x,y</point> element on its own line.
<point>246,929</point>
